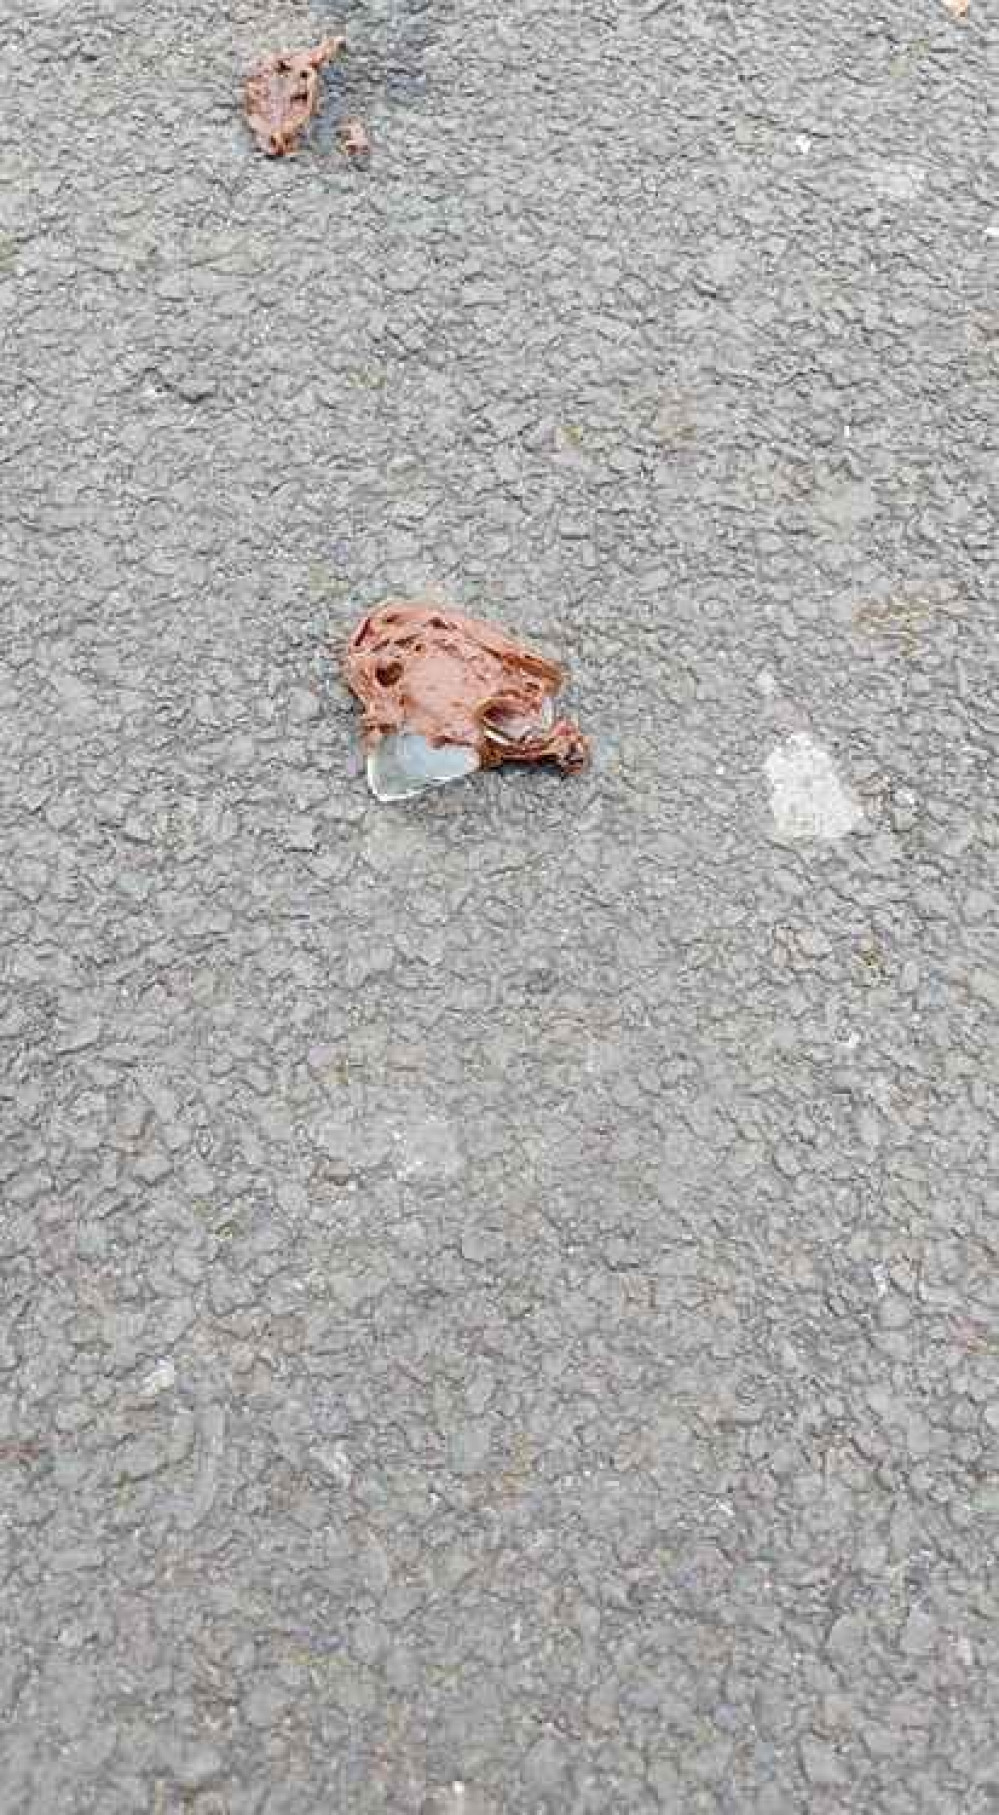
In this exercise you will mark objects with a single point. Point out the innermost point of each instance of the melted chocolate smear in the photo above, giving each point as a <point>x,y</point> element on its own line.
<point>282,94</point>
<point>444,695</point>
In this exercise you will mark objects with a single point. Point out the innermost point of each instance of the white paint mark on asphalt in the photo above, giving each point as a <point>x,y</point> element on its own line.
<point>807,798</point>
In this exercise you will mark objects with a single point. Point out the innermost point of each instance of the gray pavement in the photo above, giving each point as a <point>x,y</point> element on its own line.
<point>499,1295</point>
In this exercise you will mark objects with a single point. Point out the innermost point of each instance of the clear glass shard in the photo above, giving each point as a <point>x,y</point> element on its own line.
<point>404,763</point>
<point>508,729</point>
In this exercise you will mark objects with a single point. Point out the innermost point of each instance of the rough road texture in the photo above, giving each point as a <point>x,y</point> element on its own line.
<point>499,1295</point>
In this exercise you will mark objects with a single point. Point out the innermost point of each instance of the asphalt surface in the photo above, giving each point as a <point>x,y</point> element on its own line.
<point>499,1294</point>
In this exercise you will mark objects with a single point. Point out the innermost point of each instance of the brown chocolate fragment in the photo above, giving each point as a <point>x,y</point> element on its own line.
<point>282,94</point>
<point>353,140</point>
<point>429,676</point>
